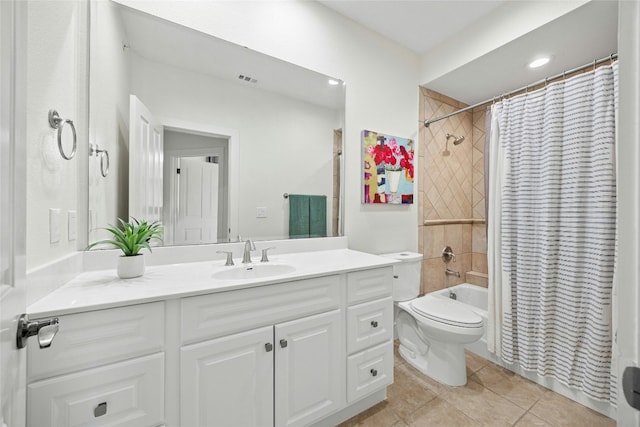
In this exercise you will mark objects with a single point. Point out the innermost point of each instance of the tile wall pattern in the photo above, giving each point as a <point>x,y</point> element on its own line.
<point>451,188</point>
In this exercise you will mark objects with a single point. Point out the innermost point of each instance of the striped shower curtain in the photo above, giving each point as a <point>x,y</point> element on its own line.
<point>557,230</point>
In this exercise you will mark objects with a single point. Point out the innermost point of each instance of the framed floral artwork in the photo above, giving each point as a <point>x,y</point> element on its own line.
<point>388,168</point>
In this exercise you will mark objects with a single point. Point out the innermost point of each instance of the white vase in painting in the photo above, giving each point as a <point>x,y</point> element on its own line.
<point>393,181</point>
<point>130,266</point>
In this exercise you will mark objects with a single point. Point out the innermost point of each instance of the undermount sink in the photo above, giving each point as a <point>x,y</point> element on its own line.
<point>257,271</point>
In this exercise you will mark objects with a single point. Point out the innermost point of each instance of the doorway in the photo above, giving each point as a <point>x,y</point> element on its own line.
<point>196,188</point>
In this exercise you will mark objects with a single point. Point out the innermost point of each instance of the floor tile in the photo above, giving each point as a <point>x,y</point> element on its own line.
<point>530,420</point>
<point>509,385</point>
<point>557,410</point>
<point>483,405</point>
<point>474,362</point>
<point>380,416</point>
<point>430,383</point>
<point>407,393</point>
<point>439,413</point>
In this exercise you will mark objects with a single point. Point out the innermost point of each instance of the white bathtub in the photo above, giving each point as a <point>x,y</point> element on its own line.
<point>476,298</point>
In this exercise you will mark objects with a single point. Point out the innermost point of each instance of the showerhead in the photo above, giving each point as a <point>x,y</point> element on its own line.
<point>456,139</point>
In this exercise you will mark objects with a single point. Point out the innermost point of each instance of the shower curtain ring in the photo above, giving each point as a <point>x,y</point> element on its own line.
<point>595,61</point>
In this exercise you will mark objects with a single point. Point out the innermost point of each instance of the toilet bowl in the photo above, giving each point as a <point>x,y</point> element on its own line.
<point>432,331</point>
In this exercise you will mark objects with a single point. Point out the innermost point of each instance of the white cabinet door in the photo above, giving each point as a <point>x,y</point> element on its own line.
<point>310,368</point>
<point>228,381</point>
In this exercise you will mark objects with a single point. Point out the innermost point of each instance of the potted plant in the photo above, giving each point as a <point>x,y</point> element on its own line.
<point>131,238</point>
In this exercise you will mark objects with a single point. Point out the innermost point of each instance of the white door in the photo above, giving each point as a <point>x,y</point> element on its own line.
<point>310,366</point>
<point>228,381</point>
<point>146,157</point>
<point>12,210</point>
<point>197,219</point>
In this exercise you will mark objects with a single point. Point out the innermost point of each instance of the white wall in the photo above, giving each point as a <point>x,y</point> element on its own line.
<point>381,80</point>
<point>109,120</point>
<point>56,79</point>
<point>627,280</point>
<point>286,145</point>
<point>505,23</point>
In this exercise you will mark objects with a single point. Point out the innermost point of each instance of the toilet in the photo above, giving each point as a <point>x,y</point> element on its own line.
<point>432,330</point>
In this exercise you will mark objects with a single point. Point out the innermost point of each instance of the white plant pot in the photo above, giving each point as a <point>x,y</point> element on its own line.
<point>130,266</point>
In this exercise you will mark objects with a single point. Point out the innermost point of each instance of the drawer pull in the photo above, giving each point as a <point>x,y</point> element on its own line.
<point>374,323</point>
<point>268,346</point>
<point>374,372</point>
<point>100,410</point>
<point>283,343</point>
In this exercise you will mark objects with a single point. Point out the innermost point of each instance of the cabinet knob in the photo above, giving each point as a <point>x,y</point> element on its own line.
<point>374,323</point>
<point>283,343</point>
<point>374,372</point>
<point>100,410</point>
<point>268,346</point>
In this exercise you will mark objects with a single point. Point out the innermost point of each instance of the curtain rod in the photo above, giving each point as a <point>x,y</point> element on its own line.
<point>545,80</point>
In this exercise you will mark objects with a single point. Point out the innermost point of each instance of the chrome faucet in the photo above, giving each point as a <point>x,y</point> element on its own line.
<point>248,247</point>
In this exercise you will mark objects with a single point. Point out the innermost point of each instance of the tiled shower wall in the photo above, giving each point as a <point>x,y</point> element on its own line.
<point>451,193</point>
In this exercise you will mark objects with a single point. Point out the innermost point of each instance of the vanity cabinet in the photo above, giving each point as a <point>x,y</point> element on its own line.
<point>299,353</point>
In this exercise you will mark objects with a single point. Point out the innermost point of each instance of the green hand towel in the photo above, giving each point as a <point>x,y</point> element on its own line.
<point>317,216</point>
<point>298,216</point>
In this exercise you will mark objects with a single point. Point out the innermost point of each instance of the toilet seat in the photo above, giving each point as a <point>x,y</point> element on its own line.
<point>446,311</point>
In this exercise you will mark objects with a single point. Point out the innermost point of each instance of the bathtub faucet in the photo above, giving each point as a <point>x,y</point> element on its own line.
<point>450,272</point>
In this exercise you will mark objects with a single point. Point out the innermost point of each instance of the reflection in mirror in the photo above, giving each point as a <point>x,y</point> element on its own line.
<point>205,135</point>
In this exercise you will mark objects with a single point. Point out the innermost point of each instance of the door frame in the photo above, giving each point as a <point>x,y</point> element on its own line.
<point>13,202</point>
<point>233,161</point>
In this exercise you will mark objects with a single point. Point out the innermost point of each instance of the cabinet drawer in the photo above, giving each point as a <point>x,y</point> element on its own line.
<point>223,313</point>
<point>369,284</point>
<point>98,337</point>
<point>369,323</point>
<point>128,393</point>
<point>369,371</point>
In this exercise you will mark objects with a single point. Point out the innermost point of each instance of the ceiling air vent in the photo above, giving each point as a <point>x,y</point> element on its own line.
<point>247,78</point>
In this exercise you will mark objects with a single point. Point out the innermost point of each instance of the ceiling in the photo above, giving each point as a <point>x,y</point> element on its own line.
<point>574,39</point>
<point>418,25</point>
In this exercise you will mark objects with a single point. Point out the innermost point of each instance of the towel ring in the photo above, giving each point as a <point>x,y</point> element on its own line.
<point>57,122</point>
<point>104,154</point>
<point>95,149</point>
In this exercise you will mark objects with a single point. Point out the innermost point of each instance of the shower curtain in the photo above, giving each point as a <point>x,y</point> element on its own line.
<point>552,238</point>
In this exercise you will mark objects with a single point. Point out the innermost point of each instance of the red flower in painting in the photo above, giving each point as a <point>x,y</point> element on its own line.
<point>394,156</point>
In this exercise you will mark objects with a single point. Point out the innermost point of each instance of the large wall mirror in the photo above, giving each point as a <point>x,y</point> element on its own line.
<point>205,135</point>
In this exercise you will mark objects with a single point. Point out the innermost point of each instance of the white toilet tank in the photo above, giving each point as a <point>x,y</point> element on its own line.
<point>407,275</point>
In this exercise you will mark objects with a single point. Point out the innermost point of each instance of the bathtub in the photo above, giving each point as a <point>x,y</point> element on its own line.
<point>476,298</point>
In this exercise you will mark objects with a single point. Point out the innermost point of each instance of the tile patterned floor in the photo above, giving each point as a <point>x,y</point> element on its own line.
<point>493,396</point>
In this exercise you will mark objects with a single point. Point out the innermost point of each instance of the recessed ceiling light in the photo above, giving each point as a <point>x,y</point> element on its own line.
<point>333,82</point>
<point>539,62</point>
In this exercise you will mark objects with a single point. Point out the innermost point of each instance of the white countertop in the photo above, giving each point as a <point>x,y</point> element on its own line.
<point>103,289</point>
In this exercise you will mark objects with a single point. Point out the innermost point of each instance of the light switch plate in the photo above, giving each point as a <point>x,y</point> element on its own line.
<point>261,212</point>
<point>54,225</point>
<point>72,224</point>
